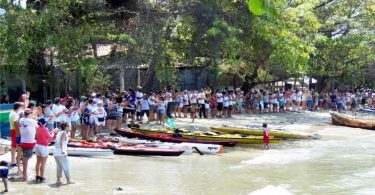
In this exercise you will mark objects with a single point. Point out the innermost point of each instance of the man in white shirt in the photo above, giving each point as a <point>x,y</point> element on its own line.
<point>138,93</point>
<point>169,100</point>
<point>219,98</point>
<point>28,130</point>
<point>201,102</point>
<point>58,111</point>
<point>145,108</point>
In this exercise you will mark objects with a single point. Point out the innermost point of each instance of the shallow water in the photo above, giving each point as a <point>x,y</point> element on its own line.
<point>342,162</point>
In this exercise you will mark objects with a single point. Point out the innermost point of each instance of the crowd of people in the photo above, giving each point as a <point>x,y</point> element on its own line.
<point>31,125</point>
<point>29,135</point>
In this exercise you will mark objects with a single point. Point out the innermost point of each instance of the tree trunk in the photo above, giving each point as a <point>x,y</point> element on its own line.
<point>122,80</point>
<point>322,83</point>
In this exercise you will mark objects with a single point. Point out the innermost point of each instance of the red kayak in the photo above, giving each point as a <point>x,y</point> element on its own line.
<point>89,145</point>
<point>147,150</point>
<point>169,138</point>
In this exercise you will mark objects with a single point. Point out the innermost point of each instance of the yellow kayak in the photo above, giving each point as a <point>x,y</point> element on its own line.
<point>211,136</point>
<point>152,131</point>
<point>259,132</point>
<point>229,137</point>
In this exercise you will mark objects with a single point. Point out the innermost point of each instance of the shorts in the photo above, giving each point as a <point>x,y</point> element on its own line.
<point>147,112</point>
<point>266,140</point>
<point>161,111</point>
<point>220,106</point>
<point>75,122</point>
<point>4,171</point>
<point>18,140</point>
<point>27,152</point>
<point>154,108</point>
<point>41,150</point>
<point>13,138</point>
<point>111,117</point>
<point>131,111</point>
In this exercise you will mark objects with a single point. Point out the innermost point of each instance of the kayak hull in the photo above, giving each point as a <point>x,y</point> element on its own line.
<point>147,150</point>
<point>196,147</point>
<point>169,138</point>
<point>85,152</point>
<point>89,145</point>
<point>352,122</point>
<point>259,132</point>
<point>241,140</point>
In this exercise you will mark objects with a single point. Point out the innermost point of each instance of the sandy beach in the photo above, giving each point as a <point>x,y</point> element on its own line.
<point>334,164</point>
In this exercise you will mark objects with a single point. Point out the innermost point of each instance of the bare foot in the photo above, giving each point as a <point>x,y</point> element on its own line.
<point>58,183</point>
<point>70,182</point>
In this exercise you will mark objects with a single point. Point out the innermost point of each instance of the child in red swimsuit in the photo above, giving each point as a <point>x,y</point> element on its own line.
<point>266,136</point>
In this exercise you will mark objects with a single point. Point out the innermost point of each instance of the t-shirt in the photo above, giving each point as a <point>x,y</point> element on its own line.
<point>100,112</point>
<point>47,113</point>
<point>219,97</point>
<point>193,98</point>
<point>169,97</point>
<point>28,129</point>
<point>131,98</point>
<point>226,101</point>
<point>144,104</point>
<point>139,95</point>
<point>161,105</point>
<point>56,109</point>
<point>42,136</point>
<point>13,117</point>
<point>186,99</point>
<point>201,97</point>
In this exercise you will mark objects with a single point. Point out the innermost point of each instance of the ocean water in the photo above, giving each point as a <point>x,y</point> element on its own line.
<point>342,162</point>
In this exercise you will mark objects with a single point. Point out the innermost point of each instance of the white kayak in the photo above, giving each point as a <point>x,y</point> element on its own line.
<point>5,143</point>
<point>87,152</point>
<point>194,147</point>
<point>133,141</point>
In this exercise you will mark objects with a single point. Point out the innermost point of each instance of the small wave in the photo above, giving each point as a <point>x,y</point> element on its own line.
<point>281,157</point>
<point>271,189</point>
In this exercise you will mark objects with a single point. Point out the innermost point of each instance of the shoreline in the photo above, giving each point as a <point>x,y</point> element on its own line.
<point>130,172</point>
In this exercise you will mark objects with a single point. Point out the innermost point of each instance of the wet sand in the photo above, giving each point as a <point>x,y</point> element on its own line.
<point>342,162</point>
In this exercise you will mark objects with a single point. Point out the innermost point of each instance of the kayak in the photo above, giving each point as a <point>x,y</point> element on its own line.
<point>230,137</point>
<point>148,150</point>
<point>137,141</point>
<point>209,135</point>
<point>152,131</point>
<point>194,147</point>
<point>5,143</point>
<point>169,138</point>
<point>338,119</point>
<point>87,152</point>
<point>90,145</point>
<point>259,132</point>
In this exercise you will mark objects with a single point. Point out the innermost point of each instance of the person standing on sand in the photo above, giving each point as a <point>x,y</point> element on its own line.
<point>266,136</point>
<point>61,156</point>
<point>43,137</point>
<point>27,130</point>
<point>13,122</point>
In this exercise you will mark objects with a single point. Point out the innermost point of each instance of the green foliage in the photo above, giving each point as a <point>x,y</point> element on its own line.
<point>257,40</point>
